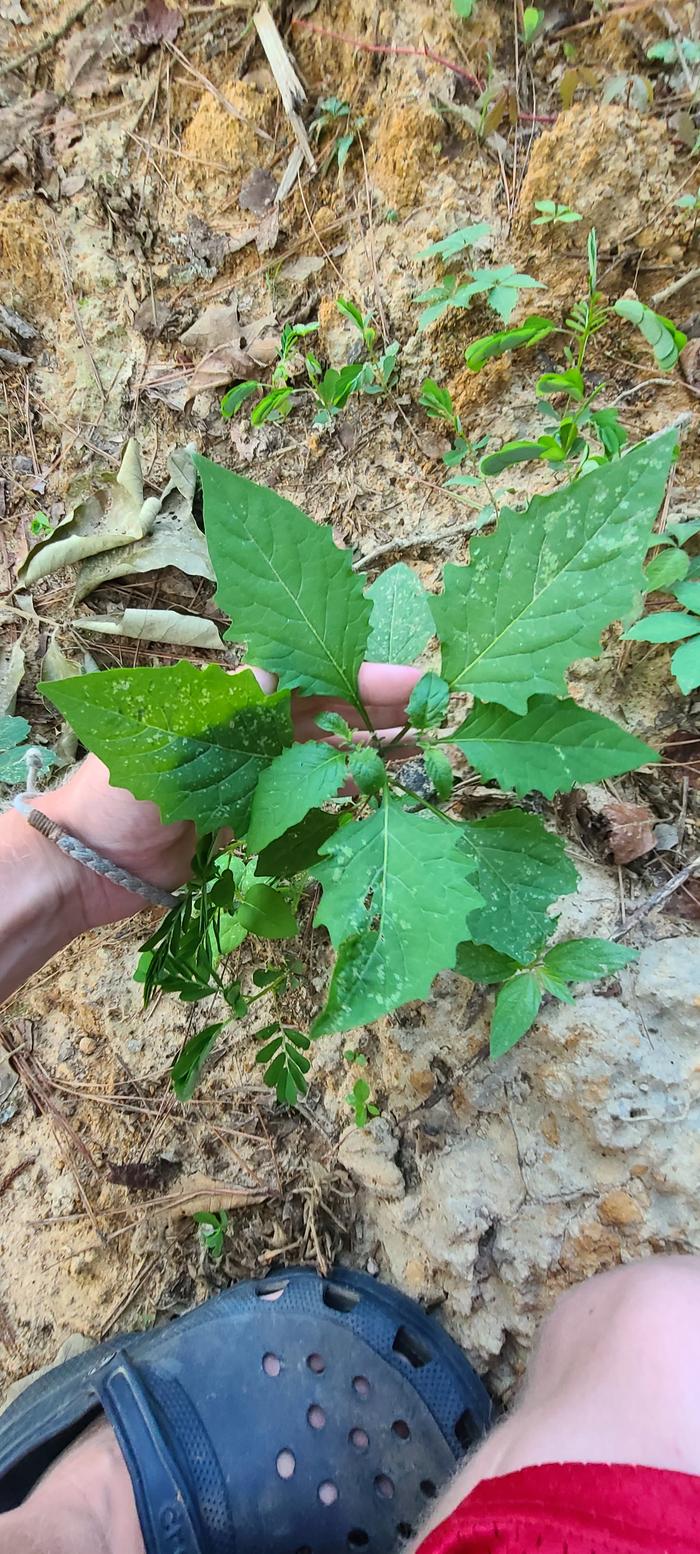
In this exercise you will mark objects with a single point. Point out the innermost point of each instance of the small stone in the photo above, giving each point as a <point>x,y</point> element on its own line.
<point>665,837</point>
<point>136,1044</point>
<point>86,1045</point>
<point>619,1208</point>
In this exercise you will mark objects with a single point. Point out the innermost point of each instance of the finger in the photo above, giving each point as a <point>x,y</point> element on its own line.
<point>387,684</point>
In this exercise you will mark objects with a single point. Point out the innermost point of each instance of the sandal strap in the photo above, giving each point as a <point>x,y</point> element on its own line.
<point>168,1517</point>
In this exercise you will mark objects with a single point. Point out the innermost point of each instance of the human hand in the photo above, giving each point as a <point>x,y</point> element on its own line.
<point>130,831</point>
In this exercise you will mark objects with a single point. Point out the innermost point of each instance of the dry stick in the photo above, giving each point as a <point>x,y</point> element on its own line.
<point>223,101</point>
<point>389,48</point>
<point>657,897</point>
<point>288,84</point>
<point>372,250</point>
<point>310,220</point>
<point>674,286</point>
<point>414,543</point>
<point>48,42</point>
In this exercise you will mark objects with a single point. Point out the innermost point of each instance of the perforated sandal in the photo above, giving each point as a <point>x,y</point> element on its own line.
<point>298,1415</point>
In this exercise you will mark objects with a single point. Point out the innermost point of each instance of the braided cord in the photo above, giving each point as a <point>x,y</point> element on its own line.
<point>81,853</point>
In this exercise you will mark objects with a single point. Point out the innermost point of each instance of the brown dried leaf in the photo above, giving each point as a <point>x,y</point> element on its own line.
<point>219,322</point>
<point>268,231</point>
<point>155,23</point>
<point>686,900</point>
<point>86,55</point>
<point>151,318</point>
<point>113,514</point>
<point>631,834</point>
<point>173,540</point>
<point>219,368</point>
<point>169,626</point>
<point>202,1194</point>
<point>258,191</point>
<point>20,122</point>
<point>302,268</point>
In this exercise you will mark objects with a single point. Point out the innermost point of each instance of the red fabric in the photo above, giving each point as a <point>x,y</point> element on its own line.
<point>575,1508</point>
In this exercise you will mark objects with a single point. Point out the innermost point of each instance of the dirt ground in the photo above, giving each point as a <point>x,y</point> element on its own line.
<point>124,148</point>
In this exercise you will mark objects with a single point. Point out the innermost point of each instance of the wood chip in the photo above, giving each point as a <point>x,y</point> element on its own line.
<point>290,88</point>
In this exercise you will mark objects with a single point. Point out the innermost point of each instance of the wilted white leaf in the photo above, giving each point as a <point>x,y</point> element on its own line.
<point>11,671</point>
<point>112,515</point>
<point>173,540</point>
<point>156,626</point>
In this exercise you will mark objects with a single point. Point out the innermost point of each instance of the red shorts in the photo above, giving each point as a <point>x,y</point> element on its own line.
<point>575,1508</point>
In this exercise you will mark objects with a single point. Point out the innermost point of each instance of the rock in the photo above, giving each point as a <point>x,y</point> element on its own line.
<point>620,1208</point>
<point>668,988</point>
<point>86,1045</point>
<point>370,1155</point>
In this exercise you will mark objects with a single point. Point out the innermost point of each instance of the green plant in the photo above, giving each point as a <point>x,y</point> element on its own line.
<point>577,419</point>
<point>669,50</point>
<point>40,525</point>
<point>437,403</point>
<point>676,626</point>
<point>532,24</point>
<point>552,213</point>
<point>689,201</point>
<point>329,389</point>
<point>673,564</point>
<point>14,734</point>
<point>212,1230</point>
<point>363,1107</point>
<point>404,880</point>
<point>500,285</point>
<point>524,985</point>
<point>333,113</point>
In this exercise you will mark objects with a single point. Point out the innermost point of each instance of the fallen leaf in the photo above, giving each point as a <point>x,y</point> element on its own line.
<point>202,1194</point>
<point>268,231</point>
<point>193,631</point>
<point>155,23</point>
<point>85,57</point>
<point>11,672</point>
<point>19,123</point>
<point>631,834</point>
<point>247,444</point>
<point>300,269</point>
<point>67,128</point>
<point>112,515</point>
<point>686,900</point>
<point>258,191</point>
<point>55,665</point>
<point>689,363</point>
<point>219,322</point>
<point>151,318</point>
<point>12,11</point>
<point>173,539</point>
<point>682,750</point>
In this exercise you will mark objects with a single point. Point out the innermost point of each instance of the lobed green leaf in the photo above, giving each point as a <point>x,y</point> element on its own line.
<point>552,747</point>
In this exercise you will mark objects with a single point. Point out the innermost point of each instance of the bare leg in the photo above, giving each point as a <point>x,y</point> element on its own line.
<point>83,1505</point>
<point>615,1378</point>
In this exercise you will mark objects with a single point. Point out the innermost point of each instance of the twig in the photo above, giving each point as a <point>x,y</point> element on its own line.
<point>388,48</point>
<point>414,543</point>
<point>288,84</point>
<point>674,286</point>
<point>48,42</point>
<point>146,1268</point>
<point>657,897</point>
<point>372,250</point>
<point>600,17</point>
<point>310,220</point>
<point>11,1176</point>
<point>223,101</point>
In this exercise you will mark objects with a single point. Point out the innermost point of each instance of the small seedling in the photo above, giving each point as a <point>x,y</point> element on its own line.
<point>463,8</point>
<point>358,1058</point>
<point>532,24</point>
<point>212,1230</point>
<point>551,213</point>
<point>334,113</point>
<point>673,564</point>
<point>359,1100</point>
<point>40,525</point>
<point>523,986</point>
<point>671,50</point>
<point>437,402</point>
<point>676,626</point>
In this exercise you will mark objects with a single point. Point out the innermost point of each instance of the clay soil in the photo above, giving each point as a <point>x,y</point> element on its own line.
<point>121,221</point>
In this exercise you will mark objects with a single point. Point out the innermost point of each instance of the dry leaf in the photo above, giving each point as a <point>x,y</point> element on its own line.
<point>115,514</point>
<point>689,363</point>
<point>55,665</point>
<point>301,269</point>
<point>258,191</point>
<point>193,631</point>
<point>202,1194</point>
<point>268,231</point>
<point>11,672</point>
<point>173,539</point>
<point>155,23</point>
<point>235,351</point>
<point>67,128</point>
<point>686,900</point>
<point>86,55</point>
<point>20,122</point>
<point>151,318</point>
<point>219,322</point>
<point>631,834</point>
